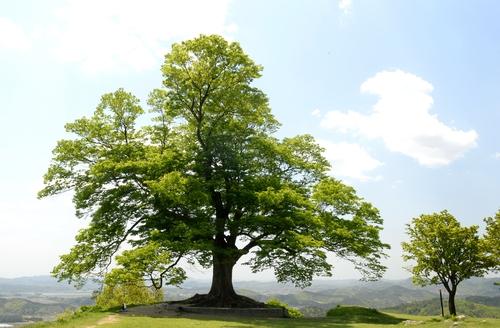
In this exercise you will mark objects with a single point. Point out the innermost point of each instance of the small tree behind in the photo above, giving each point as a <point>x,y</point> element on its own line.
<point>445,252</point>
<point>149,265</point>
<point>116,295</point>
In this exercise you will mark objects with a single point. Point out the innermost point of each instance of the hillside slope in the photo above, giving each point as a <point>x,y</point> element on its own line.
<point>433,307</point>
<point>19,309</point>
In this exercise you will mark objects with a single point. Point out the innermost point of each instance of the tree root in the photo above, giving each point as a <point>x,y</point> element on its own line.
<point>226,301</point>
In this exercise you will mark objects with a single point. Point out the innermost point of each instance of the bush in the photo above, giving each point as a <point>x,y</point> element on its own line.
<point>88,308</point>
<point>292,312</point>
<point>130,294</point>
<point>68,315</point>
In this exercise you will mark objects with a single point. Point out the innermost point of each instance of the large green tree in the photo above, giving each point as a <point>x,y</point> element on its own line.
<point>207,180</point>
<point>445,253</point>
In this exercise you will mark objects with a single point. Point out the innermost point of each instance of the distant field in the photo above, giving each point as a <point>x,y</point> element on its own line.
<point>432,307</point>
<point>96,320</point>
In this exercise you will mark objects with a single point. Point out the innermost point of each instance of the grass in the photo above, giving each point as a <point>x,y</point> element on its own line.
<point>363,319</point>
<point>75,321</point>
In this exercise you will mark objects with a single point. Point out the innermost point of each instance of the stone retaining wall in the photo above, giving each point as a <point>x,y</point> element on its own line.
<point>239,312</point>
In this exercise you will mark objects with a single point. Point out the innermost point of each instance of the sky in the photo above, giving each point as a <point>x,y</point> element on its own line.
<point>403,96</point>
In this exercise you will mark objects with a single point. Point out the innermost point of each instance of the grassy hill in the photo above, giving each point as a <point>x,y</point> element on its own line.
<point>491,301</point>
<point>18,309</point>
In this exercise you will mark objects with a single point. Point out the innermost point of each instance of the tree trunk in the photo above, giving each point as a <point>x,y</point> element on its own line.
<point>222,290</point>
<point>451,303</point>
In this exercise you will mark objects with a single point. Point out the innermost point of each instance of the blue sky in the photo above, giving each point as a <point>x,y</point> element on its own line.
<point>402,94</point>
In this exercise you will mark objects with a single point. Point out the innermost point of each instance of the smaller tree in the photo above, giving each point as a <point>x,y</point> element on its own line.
<point>116,295</point>
<point>139,276</point>
<point>445,252</point>
<point>150,264</point>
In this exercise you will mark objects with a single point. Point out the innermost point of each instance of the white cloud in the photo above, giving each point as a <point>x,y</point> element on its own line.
<point>350,160</point>
<point>402,119</point>
<point>316,113</point>
<point>345,5</point>
<point>497,155</point>
<point>12,36</point>
<point>126,34</point>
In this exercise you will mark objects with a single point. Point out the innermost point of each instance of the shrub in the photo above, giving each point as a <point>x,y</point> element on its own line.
<point>68,315</point>
<point>292,312</point>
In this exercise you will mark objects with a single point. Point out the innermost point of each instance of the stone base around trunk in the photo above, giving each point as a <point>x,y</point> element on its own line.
<point>236,312</point>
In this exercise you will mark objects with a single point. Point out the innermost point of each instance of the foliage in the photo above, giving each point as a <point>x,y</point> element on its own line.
<point>68,315</point>
<point>445,252</point>
<point>131,294</point>
<point>125,283</point>
<point>206,180</point>
<point>361,315</point>
<point>292,312</point>
<point>151,262</point>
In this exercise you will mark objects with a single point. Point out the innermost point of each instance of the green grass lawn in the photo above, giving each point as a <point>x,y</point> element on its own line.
<point>96,320</point>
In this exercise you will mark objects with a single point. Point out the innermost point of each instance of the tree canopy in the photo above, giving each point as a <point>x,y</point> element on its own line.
<point>207,181</point>
<point>445,253</point>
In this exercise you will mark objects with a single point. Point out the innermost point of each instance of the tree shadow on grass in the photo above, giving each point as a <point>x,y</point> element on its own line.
<point>281,323</point>
<point>246,322</point>
<point>347,318</point>
<point>383,319</point>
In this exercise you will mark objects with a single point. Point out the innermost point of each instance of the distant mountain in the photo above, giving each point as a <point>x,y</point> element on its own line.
<point>363,296</point>
<point>39,284</point>
<point>471,287</point>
